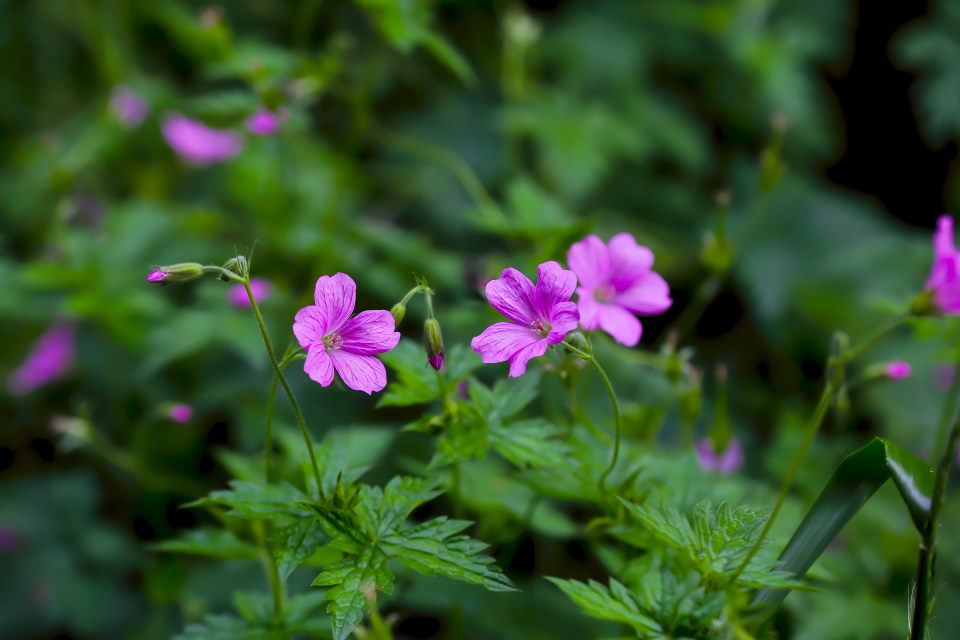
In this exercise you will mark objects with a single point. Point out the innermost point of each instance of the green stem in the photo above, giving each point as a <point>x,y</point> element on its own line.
<point>268,432</point>
<point>286,386</point>
<point>812,427</point>
<point>948,413</point>
<point>617,424</point>
<point>928,543</point>
<point>873,338</point>
<point>379,629</point>
<point>272,571</point>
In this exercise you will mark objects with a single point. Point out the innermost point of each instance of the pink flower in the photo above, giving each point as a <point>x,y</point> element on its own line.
<point>944,375</point>
<point>49,359</point>
<point>944,279</point>
<point>198,144</point>
<point>128,106</point>
<point>260,287</point>
<point>157,276</point>
<point>539,315</point>
<point>898,369</point>
<point>264,122</point>
<point>616,282</point>
<point>725,462</point>
<point>181,412</point>
<point>334,340</point>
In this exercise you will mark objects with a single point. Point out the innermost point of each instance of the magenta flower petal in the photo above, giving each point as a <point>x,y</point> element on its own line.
<point>590,260</point>
<point>621,324</point>
<point>726,462</point>
<point>359,372</point>
<point>369,332</point>
<point>564,318</point>
<point>500,341</point>
<point>128,106</point>
<point>519,360</point>
<point>335,296</point>
<point>50,358</point>
<point>944,279</point>
<point>628,260</point>
<point>512,295</point>
<point>199,144</point>
<point>309,327</point>
<point>263,123</point>
<point>616,282</point>
<point>319,365</point>
<point>555,285</point>
<point>157,276</point>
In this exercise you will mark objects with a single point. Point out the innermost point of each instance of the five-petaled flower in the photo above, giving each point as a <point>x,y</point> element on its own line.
<point>944,280</point>
<point>335,341</point>
<point>617,281</point>
<point>539,315</point>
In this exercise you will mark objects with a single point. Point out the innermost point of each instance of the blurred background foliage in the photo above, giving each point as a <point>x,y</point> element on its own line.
<point>451,139</point>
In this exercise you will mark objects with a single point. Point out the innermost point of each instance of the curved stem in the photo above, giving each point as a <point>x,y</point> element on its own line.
<point>928,542</point>
<point>617,424</point>
<point>812,427</point>
<point>868,342</point>
<point>286,386</point>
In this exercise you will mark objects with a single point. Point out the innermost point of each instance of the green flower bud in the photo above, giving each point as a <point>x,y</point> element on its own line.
<point>434,343</point>
<point>398,311</point>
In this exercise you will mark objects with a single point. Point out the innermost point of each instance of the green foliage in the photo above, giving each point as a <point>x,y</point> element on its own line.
<point>376,531</point>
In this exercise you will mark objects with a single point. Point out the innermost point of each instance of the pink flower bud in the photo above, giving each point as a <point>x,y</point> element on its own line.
<point>723,462</point>
<point>180,412</point>
<point>898,369</point>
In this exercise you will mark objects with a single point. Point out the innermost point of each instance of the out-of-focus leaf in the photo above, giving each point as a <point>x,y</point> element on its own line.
<point>614,603</point>
<point>856,479</point>
<point>219,543</point>
<point>529,442</point>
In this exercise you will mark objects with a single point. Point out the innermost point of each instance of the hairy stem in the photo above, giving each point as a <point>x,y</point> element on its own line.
<point>278,370</point>
<point>616,421</point>
<point>268,432</point>
<point>928,541</point>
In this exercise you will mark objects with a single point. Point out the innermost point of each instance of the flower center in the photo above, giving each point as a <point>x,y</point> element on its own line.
<point>540,328</point>
<point>332,341</point>
<point>604,293</point>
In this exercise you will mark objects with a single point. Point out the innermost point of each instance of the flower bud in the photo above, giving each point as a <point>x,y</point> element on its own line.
<point>398,311</point>
<point>434,343</point>
<point>179,272</point>
<point>579,341</point>
<point>238,265</point>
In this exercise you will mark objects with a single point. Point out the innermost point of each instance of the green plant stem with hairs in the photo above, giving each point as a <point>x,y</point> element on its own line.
<point>614,401</point>
<point>928,539</point>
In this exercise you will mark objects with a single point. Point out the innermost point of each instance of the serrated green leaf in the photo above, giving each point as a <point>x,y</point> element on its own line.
<point>222,627</point>
<point>529,442</point>
<point>206,541</point>
<point>353,581</point>
<point>616,603</point>
<point>856,479</point>
<point>296,543</point>
<point>413,382</point>
<point>256,608</point>
<point>433,548</point>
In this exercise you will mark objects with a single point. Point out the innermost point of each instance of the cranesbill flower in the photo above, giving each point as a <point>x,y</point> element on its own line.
<point>128,106</point>
<point>616,282</point>
<point>199,144</point>
<point>723,462</point>
<point>539,315</point>
<point>49,359</point>
<point>944,279</point>
<point>335,341</point>
<point>898,369</point>
<point>260,287</point>
<point>157,276</point>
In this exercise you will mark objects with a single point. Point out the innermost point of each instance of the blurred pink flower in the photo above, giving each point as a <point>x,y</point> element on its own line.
<point>334,340</point>
<point>128,106</point>
<point>944,279</point>
<point>944,375</point>
<point>725,462</point>
<point>898,369</point>
<point>181,412</point>
<point>539,315</point>
<point>49,359</point>
<point>617,281</point>
<point>198,144</point>
<point>265,122</point>
<point>260,287</point>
